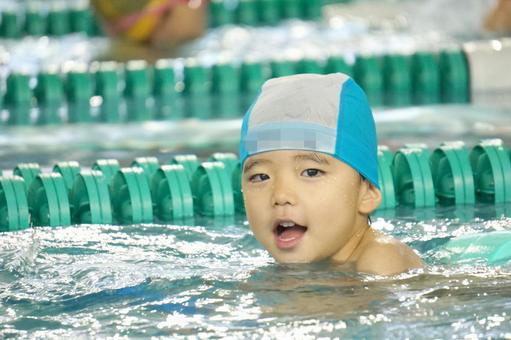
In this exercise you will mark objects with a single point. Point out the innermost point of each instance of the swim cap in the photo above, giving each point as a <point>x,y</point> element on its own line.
<point>323,113</point>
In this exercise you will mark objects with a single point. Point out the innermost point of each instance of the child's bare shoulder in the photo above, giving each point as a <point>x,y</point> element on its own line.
<point>385,255</point>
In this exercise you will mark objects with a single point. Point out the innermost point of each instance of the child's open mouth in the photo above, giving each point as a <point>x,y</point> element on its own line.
<point>288,234</point>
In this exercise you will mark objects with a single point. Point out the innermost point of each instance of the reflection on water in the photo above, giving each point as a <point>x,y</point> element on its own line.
<point>211,278</point>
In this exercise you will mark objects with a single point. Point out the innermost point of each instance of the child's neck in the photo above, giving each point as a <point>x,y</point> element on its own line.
<point>347,253</point>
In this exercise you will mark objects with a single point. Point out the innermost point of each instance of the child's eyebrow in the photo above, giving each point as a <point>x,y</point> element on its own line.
<point>313,156</point>
<point>251,163</point>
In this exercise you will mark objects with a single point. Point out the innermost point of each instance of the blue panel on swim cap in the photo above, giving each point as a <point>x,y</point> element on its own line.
<point>357,144</point>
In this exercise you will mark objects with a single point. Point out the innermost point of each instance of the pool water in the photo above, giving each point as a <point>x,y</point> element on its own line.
<point>210,278</point>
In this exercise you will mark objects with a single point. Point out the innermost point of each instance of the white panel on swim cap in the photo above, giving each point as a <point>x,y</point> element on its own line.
<point>310,98</point>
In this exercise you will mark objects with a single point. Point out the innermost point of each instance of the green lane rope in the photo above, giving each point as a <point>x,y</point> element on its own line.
<point>146,192</point>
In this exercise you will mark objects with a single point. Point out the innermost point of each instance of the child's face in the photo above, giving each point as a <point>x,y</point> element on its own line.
<point>302,206</point>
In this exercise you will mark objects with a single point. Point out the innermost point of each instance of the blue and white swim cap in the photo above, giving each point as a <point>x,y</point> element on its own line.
<point>323,113</point>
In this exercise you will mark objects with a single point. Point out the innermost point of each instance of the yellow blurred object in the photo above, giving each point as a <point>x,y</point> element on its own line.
<point>158,22</point>
<point>147,22</point>
<point>115,9</point>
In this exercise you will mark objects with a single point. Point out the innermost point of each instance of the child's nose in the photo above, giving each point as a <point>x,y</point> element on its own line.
<point>283,193</point>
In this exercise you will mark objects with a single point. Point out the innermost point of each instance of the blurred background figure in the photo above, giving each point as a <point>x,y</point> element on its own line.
<point>160,23</point>
<point>499,19</point>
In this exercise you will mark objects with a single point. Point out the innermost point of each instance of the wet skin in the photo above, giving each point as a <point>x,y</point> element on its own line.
<point>308,206</point>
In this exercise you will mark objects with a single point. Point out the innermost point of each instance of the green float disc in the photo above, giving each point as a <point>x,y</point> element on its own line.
<point>49,93</point>
<point>171,193</point>
<point>423,154</point>
<point>48,201</point>
<point>108,167</point>
<point>164,90</point>
<point>9,26</point>
<point>462,154</point>
<point>447,177</point>
<point>454,77</point>
<point>58,22</point>
<point>137,91</point>
<point>307,65</point>
<point>81,20</point>
<point>196,78</point>
<point>425,78</point>
<point>236,190</point>
<point>452,175</point>
<point>210,189</point>
<point>166,196</point>
<point>337,64</point>
<point>84,201</point>
<point>421,146</point>
<point>225,79</point>
<point>491,167</point>
<point>79,86</point>
<point>246,12</point>
<point>197,90</point>
<point>227,106</point>
<point>427,178</point>
<point>385,179</point>
<point>106,76</point>
<point>131,197</point>
<point>68,170</point>
<point>407,181</point>
<point>14,213</point>
<point>311,9</point>
<point>35,23</point>
<point>189,162</point>
<point>27,171</point>
<point>291,9</point>
<point>22,201</point>
<point>230,160</point>
<point>225,177</point>
<point>281,68</point>
<point>90,199</point>
<point>367,72</point>
<point>220,13</point>
<point>412,178</point>
<point>385,151</point>
<point>252,77</point>
<point>397,80</point>
<point>269,13</point>
<point>79,90</point>
<point>19,114</point>
<point>148,164</point>
<point>18,98</point>
<point>63,199</point>
<point>226,90</point>
<point>136,77</point>
<point>207,199</point>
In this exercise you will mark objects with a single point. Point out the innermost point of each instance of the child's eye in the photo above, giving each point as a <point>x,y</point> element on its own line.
<point>259,178</point>
<point>312,173</point>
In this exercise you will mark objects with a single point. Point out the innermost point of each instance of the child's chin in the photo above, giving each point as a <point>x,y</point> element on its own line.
<point>292,258</point>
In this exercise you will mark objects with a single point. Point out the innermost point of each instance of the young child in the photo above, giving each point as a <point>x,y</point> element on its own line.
<point>310,179</point>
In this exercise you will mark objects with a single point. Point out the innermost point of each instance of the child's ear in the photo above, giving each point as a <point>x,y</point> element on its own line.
<point>370,198</point>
